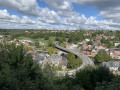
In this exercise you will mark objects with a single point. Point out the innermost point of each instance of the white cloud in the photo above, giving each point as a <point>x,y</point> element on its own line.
<point>109,9</point>
<point>4,14</point>
<point>50,19</point>
<point>59,4</point>
<point>48,16</point>
<point>29,7</point>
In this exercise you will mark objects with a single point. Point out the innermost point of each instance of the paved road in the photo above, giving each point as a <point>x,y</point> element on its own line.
<point>86,61</point>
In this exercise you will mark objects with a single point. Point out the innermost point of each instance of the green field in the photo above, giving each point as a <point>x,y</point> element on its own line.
<point>43,40</point>
<point>39,39</point>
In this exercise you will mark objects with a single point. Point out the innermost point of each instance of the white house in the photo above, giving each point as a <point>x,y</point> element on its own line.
<point>73,46</point>
<point>113,66</point>
<point>87,40</point>
<point>117,43</point>
<point>26,40</point>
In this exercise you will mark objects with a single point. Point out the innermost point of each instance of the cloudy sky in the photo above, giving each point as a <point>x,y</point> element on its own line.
<point>60,14</point>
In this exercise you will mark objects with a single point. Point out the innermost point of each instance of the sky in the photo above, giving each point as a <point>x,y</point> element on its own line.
<point>60,14</point>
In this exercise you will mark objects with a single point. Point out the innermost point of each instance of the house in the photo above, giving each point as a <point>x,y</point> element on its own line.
<point>93,52</point>
<point>55,59</point>
<point>118,57</point>
<point>85,46</point>
<point>26,41</point>
<point>101,47</point>
<point>117,43</point>
<point>113,66</point>
<point>59,61</point>
<point>113,55</point>
<point>63,63</point>
<point>90,47</point>
<point>68,46</point>
<point>1,39</point>
<point>17,43</point>
<point>71,46</point>
<point>1,36</point>
<point>87,40</point>
<point>42,43</point>
<point>117,51</point>
<point>41,58</point>
<point>86,52</point>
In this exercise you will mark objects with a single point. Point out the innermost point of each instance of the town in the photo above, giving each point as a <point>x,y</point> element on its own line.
<point>89,43</point>
<point>59,45</point>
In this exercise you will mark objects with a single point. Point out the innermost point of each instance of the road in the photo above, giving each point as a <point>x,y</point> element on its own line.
<point>85,59</point>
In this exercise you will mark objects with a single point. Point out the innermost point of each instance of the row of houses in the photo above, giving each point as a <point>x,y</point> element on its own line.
<point>43,58</point>
<point>113,66</point>
<point>114,53</point>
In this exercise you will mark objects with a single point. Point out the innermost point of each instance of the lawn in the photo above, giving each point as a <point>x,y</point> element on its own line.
<point>39,39</point>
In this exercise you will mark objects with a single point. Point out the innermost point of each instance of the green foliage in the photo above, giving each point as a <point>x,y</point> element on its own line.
<point>57,39</point>
<point>51,50</point>
<point>94,34</point>
<point>102,56</point>
<point>107,42</point>
<point>59,68</point>
<point>49,75</point>
<point>17,70</point>
<point>90,43</point>
<point>51,44</point>
<point>72,61</point>
<point>46,38</point>
<point>74,37</point>
<point>118,46</point>
<point>113,85</point>
<point>70,56</point>
<point>86,79</point>
<point>37,45</point>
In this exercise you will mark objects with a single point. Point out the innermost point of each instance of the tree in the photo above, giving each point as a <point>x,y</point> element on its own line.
<point>27,48</point>
<point>89,76</point>
<point>113,85</point>
<point>72,61</point>
<point>51,50</point>
<point>37,45</point>
<point>106,42</point>
<point>57,38</point>
<point>90,43</point>
<point>46,37</point>
<point>102,56</point>
<point>51,44</point>
<point>49,75</point>
<point>118,46</point>
<point>17,70</point>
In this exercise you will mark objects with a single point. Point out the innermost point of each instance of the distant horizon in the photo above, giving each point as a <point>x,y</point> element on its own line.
<point>58,30</point>
<point>60,14</point>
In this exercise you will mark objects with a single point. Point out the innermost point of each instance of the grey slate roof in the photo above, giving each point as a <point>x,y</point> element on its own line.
<point>111,64</point>
<point>63,62</point>
<point>38,57</point>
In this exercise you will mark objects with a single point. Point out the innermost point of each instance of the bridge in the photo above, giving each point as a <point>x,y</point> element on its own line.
<point>85,61</point>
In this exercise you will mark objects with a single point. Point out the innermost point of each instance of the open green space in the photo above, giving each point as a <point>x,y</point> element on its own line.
<point>38,39</point>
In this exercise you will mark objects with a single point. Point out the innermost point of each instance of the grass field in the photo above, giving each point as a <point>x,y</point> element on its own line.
<point>43,40</point>
<point>39,39</point>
